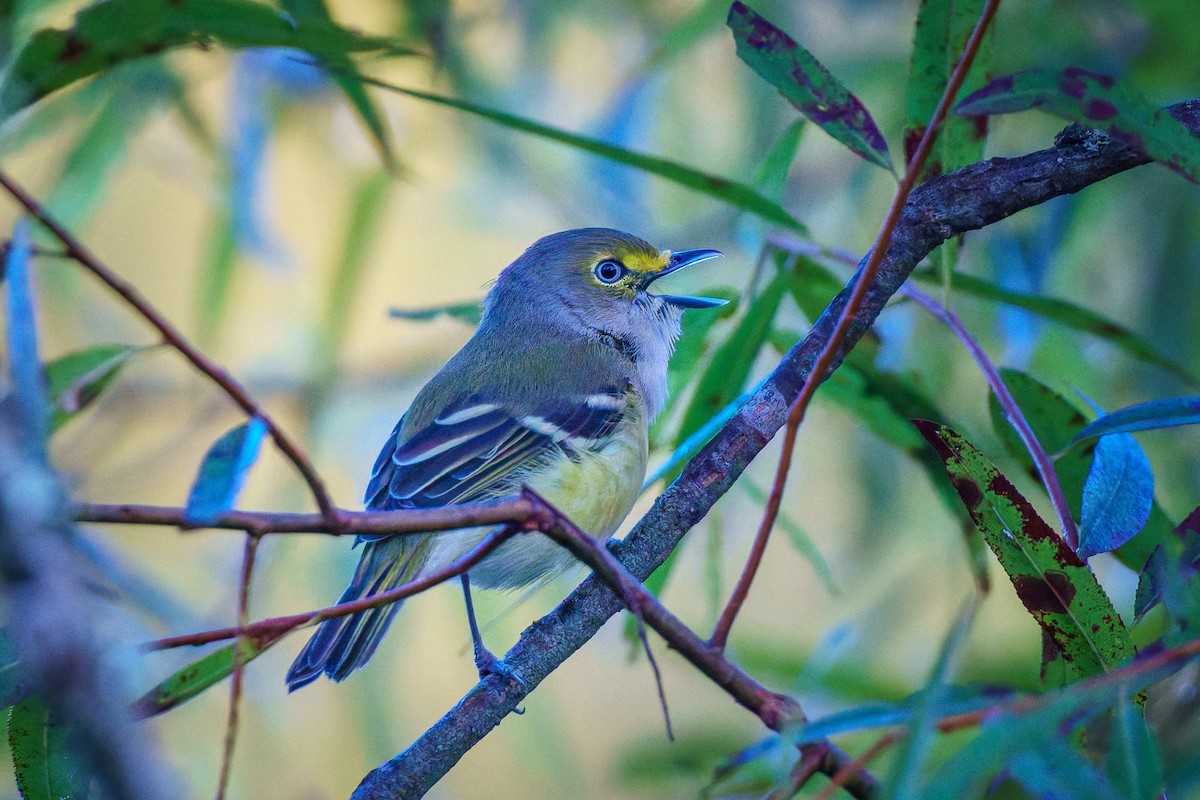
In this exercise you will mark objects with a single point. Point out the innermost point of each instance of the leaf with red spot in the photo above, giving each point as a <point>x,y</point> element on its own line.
<point>199,675</point>
<point>806,84</point>
<point>1096,101</point>
<point>1053,583</point>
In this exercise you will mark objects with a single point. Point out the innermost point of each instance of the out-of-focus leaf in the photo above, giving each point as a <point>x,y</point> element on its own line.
<point>343,72</point>
<point>1096,101</point>
<point>369,203</point>
<point>694,27</point>
<point>137,93</point>
<point>20,329</point>
<point>1172,576</point>
<point>1056,769</point>
<point>76,379</point>
<point>926,710</point>
<point>469,313</point>
<point>1055,421</point>
<point>800,540</point>
<point>1132,762</point>
<point>1066,313</point>
<point>101,37</point>
<point>1117,495</point>
<point>735,194</point>
<point>806,84</point>
<point>1144,417</point>
<point>11,688</point>
<point>1053,583</point>
<point>45,764</point>
<point>216,274</point>
<point>223,471</point>
<point>772,175</point>
<point>693,754</point>
<point>200,675</point>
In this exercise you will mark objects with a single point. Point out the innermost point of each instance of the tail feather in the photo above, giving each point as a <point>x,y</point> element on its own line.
<point>344,644</point>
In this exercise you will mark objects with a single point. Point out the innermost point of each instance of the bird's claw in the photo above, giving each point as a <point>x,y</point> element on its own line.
<point>489,664</point>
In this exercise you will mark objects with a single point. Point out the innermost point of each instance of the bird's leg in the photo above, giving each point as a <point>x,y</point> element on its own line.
<point>485,660</point>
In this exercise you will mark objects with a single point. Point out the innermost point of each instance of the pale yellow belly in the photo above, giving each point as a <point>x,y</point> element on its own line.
<point>596,493</point>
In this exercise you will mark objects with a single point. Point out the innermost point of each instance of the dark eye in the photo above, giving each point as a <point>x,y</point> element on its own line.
<point>610,271</point>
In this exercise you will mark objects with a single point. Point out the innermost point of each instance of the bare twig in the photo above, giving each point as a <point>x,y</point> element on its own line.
<point>173,337</point>
<point>235,684</point>
<point>833,348</point>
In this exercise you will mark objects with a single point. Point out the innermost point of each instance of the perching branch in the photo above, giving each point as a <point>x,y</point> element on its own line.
<point>942,207</point>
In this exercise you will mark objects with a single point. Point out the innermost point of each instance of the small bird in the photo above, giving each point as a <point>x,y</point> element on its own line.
<point>555,391</point>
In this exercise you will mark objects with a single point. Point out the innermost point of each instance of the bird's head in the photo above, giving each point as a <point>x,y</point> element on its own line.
<point>599,278</point>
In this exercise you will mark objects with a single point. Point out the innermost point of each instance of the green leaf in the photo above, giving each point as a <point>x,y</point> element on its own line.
<point>223,471</point>
<point>470,313</point>
<point>806,84</point>
<point>370,201</point>
<point>101,37</point>
<point>1117,495</point>
<point>342,71</point>
<point>1096,101</point>
<point>201,674</point>
<point>1133,763</point>
<point>1066,313</point>
<point>45,764</point>
<point>76,379</point>
<point>727,191</point>
<point>1053,583</point>
<point>1144,416</point>
<point>800,540</point>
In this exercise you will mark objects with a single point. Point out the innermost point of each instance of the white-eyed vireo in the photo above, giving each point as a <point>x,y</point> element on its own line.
<point>554,391</point>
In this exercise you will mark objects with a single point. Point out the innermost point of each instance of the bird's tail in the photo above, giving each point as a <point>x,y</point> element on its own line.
<point>343,644</point>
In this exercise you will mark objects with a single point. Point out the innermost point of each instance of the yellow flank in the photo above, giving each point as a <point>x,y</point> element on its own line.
<point>596,493</point>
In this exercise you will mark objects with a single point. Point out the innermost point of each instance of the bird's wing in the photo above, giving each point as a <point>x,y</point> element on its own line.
<point>479,449</point>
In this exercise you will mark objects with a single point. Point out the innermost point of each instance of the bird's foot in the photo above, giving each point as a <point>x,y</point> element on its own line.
<point>489,664</point>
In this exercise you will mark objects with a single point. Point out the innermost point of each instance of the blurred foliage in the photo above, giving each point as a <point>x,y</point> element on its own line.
<point>276,177</point>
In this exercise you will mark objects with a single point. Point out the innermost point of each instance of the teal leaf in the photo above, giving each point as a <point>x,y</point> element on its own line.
<point>1133,763</point>
<point>1145,416</point>
<point>11,686</point>
<point>1096,101</point>
<point>76,379</point>
<point>1117,496</point>
<point>806,84</point>
<point>223,471</point>
<point>20,328</point>
<point>45,764</point>
<point>727,191</point>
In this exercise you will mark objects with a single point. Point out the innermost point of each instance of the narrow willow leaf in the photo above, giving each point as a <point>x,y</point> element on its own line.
<point>470,313</point>
<point>800,540</point>
<point>1066,313</point>
<point>1172,576</point>
<point>1117,496</point>
<point>101,37</point>
<point>727,191</point>
<point>76,379</point>
<point>1053,583</point>
<point>223,471</point>
<point>343,72</point>
<point>20,328</point>
<point>806,84</point>
<point>1096,101</point>
<point>200,675</point>
<point>45,764</point>
<point>1145,417</point>
<point>1133,762</point>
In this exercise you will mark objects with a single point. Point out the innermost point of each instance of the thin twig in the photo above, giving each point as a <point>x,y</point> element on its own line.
<point>1041,458</point>
<point>235,687</point>
<point>173,337</point>
<point>833,346</point>
<point>855,767</point>
<point>268,630</point>
<point>263,523</point>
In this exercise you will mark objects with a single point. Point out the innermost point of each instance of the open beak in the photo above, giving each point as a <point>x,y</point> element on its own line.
<point>685,258</point>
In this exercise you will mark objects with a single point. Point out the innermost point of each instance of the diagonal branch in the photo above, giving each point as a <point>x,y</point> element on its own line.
<point>77,251</point>
<point>945,206</point>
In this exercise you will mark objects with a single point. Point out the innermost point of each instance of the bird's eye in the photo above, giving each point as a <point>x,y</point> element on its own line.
<point>610,271</point>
